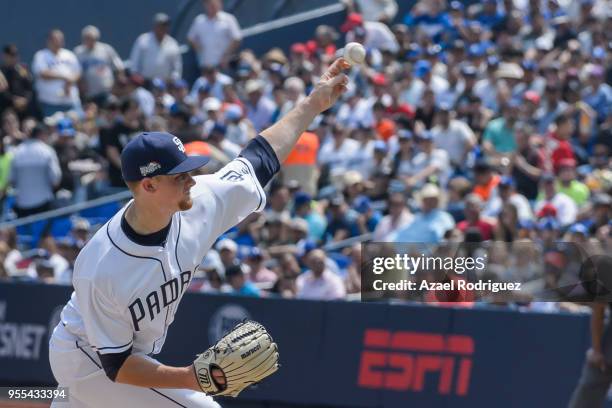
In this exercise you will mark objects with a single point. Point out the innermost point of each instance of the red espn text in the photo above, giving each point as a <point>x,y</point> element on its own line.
<point>406,357</point>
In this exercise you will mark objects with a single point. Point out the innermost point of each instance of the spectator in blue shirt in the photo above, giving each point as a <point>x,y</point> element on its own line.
<point>368,218</point>
<point>456,22</point>
<point>429,17</point>
<point>236,277</point>
<point>598,94</point>
<point>341,224</point>
<point>490,16</point>
<point>317,224</point>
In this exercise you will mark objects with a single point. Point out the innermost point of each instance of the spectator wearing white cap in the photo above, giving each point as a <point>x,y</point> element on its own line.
<point>156,54</point>
<point>81,229</point>
<point>210,113</point>
<point>215,35</point>
<point>228,250</point>
<point>100,64</point>
<point>259,108</point>
<point>239,129</point>
<point>431,224</point>
<point>56,72</point>
<point>294,92</point>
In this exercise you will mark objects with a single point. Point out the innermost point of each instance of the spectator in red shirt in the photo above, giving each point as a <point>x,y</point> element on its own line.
<point>560,140</point>
<point>473,219</point>
<point>399,109</point>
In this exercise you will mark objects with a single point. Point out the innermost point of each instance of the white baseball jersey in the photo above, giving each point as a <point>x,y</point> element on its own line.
<point>126,294</point>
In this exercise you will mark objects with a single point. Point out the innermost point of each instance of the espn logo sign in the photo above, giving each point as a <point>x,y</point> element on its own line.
<point>404,359</point>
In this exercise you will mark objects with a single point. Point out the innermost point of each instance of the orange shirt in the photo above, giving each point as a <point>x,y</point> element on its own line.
<point>385,129</point>
<point>485,191</point>
<point>305,150</point>
<point>197,148</point>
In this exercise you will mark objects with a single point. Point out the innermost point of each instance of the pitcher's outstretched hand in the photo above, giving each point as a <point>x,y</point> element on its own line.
<point>331,85</point>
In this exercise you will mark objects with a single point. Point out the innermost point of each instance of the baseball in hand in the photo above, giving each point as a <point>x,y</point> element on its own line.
<point>354,53</point>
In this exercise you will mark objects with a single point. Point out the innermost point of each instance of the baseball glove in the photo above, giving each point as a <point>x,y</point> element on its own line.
<point>246,355</point>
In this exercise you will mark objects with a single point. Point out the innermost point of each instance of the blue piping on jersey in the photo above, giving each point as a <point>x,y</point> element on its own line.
<point>177,241</point>
<point>143,257</point>
<point>134,256</point>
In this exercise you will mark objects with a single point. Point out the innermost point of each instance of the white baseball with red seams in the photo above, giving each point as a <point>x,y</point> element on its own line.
<point>354,53</point>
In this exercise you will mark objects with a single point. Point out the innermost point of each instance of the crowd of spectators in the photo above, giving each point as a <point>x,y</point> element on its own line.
<point>483,123</point>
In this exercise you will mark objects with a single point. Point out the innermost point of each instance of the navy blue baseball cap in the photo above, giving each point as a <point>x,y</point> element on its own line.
<point>153,154</point>
<point>301,198</point>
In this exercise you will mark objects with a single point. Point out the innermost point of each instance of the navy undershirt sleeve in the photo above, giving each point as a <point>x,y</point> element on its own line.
<point>261,155</point>
<point>112,362</point>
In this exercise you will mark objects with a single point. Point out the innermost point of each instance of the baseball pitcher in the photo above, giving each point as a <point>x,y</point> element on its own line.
<point>130,278</point>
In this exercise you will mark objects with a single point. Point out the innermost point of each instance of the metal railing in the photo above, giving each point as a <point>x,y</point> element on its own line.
<point>59,212</point>
<point>293,19</point>
<point>124,195</point>
<point>334,246</point>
